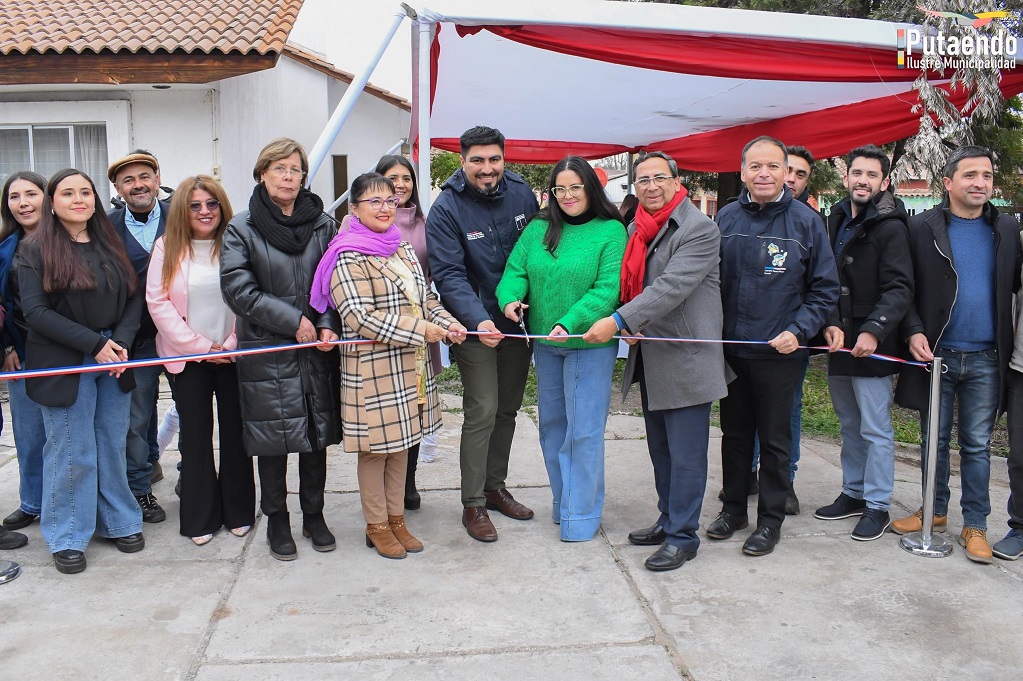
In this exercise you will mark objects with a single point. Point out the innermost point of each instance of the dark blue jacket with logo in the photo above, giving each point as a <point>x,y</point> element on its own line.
<point>469,237</point>
<point>777,273</point>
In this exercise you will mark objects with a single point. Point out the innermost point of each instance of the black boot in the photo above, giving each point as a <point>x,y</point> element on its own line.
<point>412,499</point>
<point>278,536</point>
<point>11,540</point>
<point>314,527</point>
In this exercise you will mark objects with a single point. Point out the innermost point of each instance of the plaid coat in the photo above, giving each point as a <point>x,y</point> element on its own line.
<point>379,402</point>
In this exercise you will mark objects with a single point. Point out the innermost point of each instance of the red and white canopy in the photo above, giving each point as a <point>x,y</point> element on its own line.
<point>597,78</point>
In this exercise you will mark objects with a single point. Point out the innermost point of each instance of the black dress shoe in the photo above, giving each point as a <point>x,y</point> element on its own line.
<point>19,519</point>
<point>130,544</point>
<point>648,536</point>
<point>668,557</point>
<point>11,540</point>
<point>69,561</point>
<point>762,541</point>
<point>725,525</point>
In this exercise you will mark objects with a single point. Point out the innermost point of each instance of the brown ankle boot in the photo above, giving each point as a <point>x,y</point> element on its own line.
<point>380,537</point>
<point>401,533</point>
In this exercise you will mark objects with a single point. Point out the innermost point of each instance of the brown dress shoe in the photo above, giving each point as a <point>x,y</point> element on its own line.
<point>502,500</point>
<point>401,533</point>
<point>477,523</point>
<point>380,537</point>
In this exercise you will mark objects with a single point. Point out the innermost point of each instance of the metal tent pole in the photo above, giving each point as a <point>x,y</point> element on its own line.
<point>344,107</point>
<point>925,542</point>
<point>422,112</point>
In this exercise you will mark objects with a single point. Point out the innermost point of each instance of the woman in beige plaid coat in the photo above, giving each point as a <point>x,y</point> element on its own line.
<point>388,397</point>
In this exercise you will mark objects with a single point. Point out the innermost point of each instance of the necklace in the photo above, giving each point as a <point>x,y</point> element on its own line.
<point>76,237</point>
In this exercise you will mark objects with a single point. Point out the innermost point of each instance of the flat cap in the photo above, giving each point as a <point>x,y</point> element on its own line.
<point>148,159</point>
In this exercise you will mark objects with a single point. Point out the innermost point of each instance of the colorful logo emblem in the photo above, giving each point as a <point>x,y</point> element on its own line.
<point>975,20</point>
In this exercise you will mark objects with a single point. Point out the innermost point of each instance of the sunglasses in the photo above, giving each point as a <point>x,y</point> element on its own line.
<point>211,205</point>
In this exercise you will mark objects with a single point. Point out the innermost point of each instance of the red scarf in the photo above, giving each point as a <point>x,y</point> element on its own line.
<point>647,227</point>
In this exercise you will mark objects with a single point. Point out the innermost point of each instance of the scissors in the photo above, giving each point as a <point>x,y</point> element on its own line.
<point>522,322</point>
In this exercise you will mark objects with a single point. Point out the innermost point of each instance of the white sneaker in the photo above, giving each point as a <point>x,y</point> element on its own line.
<point>168,429</point>
<point>428,448</point>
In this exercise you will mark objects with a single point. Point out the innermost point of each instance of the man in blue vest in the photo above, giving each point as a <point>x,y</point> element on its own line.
<point>140,221</point>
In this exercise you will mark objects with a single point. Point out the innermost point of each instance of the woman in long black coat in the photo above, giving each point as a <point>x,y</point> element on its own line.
<point>290,399</point>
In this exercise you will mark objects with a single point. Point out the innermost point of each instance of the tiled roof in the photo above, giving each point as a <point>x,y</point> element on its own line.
<point>316,60</point>
<point>117,26</point>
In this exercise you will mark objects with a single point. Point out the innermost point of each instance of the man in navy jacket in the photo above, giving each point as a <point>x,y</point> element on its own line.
<point>140,221</point>
<point>470,233</point>
<point>966,261</point>
<point>778,284</point>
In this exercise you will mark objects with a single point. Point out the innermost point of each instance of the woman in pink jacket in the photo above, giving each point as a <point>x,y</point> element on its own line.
<point>183,293</point>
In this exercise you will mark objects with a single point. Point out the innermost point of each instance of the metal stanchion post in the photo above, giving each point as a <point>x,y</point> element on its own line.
<point>8,571</point>
<point>925,543</point>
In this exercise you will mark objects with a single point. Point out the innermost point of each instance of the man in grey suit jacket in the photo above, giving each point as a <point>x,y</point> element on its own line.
<point>674,251</point>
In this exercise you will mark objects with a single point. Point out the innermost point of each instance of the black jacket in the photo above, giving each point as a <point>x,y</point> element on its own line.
<point>139,257</point>
<point>468,240</point>
<point>59,331</point>
<point>876,274</point>
<point>936,287</point>
<point>291,400</point>
<point>777,273</point>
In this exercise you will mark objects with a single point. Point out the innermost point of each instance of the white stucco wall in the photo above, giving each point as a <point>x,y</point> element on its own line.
<point>177,125</point>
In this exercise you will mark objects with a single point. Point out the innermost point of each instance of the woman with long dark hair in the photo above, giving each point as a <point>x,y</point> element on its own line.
<point>22,208</point>
<point>371,276</point>
<point>191,317</point>
<point>290,399</point>
<point>565,268</point>
<point>411,222</point>
<point>82,304</point>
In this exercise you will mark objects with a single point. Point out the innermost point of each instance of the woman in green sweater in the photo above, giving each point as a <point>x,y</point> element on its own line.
<point>565,268</point>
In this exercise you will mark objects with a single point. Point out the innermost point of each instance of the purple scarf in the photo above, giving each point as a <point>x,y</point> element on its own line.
<point>359,239</point>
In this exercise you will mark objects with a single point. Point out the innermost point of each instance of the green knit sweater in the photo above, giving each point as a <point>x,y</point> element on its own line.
<point>575,287</point>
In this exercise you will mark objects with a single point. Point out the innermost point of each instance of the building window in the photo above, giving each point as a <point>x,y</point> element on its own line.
<point>49,148</point>
<point>712,207</point>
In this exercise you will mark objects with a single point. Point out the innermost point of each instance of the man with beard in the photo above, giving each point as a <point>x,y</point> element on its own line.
<point>778,284</point>
<point>470,232</point>
<point>798,176</point>
<point>139,222</point>
<point>870,234</point>
<point>966,262</point>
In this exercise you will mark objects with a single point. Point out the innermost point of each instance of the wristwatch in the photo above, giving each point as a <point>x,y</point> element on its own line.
<point>8,350</point>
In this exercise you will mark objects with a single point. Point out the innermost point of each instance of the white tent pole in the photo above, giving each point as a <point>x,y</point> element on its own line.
<point>341,199</point>
<point>344,107</point>
<point>423,114</point>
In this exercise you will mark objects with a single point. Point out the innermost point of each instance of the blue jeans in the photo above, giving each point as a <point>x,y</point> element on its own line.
<point>972,377</point>
<point>795,422</point>
<point>143,397</point>
<point>85,488</point>
<point>29,438</point>
<point>574,394</point>
<point>863,405</point>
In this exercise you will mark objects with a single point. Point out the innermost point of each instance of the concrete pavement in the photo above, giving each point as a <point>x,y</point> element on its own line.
<point>527,607</point>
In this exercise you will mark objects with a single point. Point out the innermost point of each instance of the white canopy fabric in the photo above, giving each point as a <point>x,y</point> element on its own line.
<point>596,78</point>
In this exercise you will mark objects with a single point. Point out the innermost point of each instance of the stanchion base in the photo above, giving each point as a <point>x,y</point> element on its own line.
<point>8,571</point>
<point>939,546</point>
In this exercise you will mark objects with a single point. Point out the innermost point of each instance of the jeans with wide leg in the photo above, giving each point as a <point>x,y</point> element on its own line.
<point>29,439</point>
<point>863,405</point>
<point>211,499</point>
<point>677,440</point>
<point>85,488</point>
<point>574,394</point>
<point>273,482</point>
<point>147,386</point>
<point>759,403</point>
<point>972,379</point>
<point>1015,419</point>
<point>493,380</point>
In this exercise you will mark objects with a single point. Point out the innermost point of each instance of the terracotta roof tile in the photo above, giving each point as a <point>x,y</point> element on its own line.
<point>242,26</point>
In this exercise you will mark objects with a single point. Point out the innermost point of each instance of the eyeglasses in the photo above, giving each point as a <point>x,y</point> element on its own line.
<point>659,180</point>
<point>377,204</point>
<point>281,171</point>
<point>573,189</point>
<point>211,205</point>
